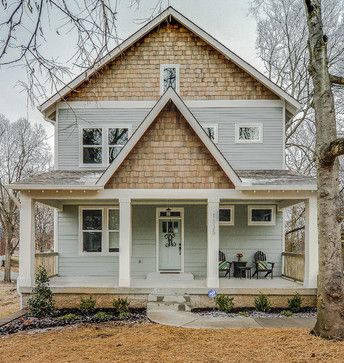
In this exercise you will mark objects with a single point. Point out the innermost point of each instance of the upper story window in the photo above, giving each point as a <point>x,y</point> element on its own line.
<point>169,77</point>
<point>261,215</point>
<point>99,146</point>
<point>249,133</point>
<point>212,132</point>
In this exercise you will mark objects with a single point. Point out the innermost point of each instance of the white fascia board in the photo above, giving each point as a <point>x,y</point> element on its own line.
<point>169,95</point>
<point>295,105</point>
<point>52,187</point>
<point>277,187</point>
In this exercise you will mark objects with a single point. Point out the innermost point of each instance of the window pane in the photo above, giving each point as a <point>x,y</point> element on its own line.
<point>92,242</point>
<point>261,215</point>
<point>113,219</point>
<point>248,133</point>
<point>113,241</point>
<point>118,136</point>
<point>92,136</point>
<point>225,215</point>
<point>175,214</point>
<point>113,152</point>
<point>92,155</point>
<point>92,219</point>
<point>170,78</point>
<point>210,132</point>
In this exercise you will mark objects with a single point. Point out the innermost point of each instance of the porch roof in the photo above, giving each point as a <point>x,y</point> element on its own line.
<point>69,179</point>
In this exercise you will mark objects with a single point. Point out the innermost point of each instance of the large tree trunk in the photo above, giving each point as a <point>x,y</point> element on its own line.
<point>330,320</point>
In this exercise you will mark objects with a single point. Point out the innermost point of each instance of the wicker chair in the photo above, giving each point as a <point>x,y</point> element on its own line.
<point>224,265</point>
<point>262,265</point>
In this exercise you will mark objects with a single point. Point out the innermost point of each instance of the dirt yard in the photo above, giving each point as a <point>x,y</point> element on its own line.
<point>154,343</point>
<point>9,299</point>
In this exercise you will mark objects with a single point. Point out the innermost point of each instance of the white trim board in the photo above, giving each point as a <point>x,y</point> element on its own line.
<point>169,95</point>
<point>293,104</point>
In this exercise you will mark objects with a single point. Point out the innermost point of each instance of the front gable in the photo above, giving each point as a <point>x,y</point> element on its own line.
<point>169,155</point>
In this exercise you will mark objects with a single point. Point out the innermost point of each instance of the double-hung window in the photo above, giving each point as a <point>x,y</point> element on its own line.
<point>249,133</point>
<point>169,77</point>
<point>99,230</point>
<point>261,215</point>
<point>100,145</point>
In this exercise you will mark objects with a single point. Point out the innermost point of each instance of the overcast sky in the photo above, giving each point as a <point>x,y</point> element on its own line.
<point>226,20</point>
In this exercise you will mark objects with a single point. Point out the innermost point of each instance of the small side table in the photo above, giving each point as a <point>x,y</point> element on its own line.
<point>237,264</point>
<point>244,271</point>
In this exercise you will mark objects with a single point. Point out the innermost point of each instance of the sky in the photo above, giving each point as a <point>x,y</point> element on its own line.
<point>226,20</point>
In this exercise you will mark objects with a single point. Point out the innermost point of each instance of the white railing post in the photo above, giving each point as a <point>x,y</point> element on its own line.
<point>124,242</point>
<point>311,243</point>
<point>213,244</point>
<point>26,243</point>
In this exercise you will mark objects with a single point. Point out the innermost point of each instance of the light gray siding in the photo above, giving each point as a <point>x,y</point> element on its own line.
<point>266,155</point>
<point>233,239</point>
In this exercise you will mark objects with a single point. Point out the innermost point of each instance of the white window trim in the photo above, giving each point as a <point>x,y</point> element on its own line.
<point>162,67</point>
<point>232,209</point>
<point>273,219</point>
<point>237,127</point>
<point>105,146</point>
<point>216,130</point>
<point>105,231</point>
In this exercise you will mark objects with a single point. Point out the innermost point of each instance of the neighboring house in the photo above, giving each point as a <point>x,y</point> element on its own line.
<point>170,149</point>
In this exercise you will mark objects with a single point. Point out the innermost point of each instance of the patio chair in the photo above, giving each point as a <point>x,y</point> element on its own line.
<point>224,265</point>
<point>262,265</point>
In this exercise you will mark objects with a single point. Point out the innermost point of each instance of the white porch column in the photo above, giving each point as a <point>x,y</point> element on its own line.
<point>26,243</point>
<point>213,245</point>
<point>124,242</point>
<point>311,243</point>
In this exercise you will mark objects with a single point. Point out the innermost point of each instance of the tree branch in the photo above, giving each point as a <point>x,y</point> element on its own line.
<point>331,151</point>
<point>337,80</point>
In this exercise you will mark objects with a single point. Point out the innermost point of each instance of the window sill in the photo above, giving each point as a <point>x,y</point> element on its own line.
<point>104,254</point>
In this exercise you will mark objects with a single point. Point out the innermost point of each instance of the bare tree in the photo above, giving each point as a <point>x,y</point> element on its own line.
<point>330,320</point>
<point>24,151</point>
<point>44,227</point>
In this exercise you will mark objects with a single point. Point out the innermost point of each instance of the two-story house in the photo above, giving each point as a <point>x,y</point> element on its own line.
<point>169,150</point>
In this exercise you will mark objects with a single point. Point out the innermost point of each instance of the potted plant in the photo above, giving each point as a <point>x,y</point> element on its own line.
<point>239,256</point>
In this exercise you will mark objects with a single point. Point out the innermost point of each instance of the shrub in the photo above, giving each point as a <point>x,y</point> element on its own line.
<point>41,302</point>
<point>287,313</point>
<point>68,317</point>
<point>87,305</point>
<point>224,303</point>
<point>262,303</point>
<point>102,315</point>
<point>121,307</point>
<point>295,303</point>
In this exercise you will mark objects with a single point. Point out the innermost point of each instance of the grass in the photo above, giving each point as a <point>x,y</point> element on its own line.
<point>154,343</point>
<point>9,299</point>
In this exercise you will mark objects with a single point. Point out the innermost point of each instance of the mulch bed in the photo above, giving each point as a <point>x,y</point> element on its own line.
<point>28,322</point>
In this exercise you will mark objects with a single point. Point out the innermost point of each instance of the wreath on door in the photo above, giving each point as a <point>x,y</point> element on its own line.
<point>170,238</point>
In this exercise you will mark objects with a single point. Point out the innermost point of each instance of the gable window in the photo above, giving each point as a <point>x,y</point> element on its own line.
<point>99,230</point>
<point>226,215</point>
<point>169,77</point>
<point>212,132</point>
<point>100,146</point>
<point>261,215</point>
<point>248,133</point>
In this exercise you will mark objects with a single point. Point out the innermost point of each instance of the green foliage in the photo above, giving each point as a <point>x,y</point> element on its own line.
<point>68,317</point>
<point>287,313</point>
<point>262,303</point>
<point>87,305</point>
<point>224,303</point>
<point>295,303</point>
<point>41,302</point>
<point>121,307</point>
<point>102,315</point>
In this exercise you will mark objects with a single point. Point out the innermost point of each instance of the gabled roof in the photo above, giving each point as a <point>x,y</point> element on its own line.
<point>169,95</point>
<point>292,104</point>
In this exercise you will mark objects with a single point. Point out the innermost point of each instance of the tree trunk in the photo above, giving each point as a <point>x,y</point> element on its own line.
<point>330,319</point>
<point>8,250</point>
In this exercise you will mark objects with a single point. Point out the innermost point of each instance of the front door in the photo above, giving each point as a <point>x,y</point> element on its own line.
<point>170,244</point>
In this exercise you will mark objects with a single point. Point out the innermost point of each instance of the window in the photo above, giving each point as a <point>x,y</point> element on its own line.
<point>261,215</point>
<point>99,230</point>
<point>212,132</point>
<point>92,230</point>
<point>226,215</point>
<point>92,146</point>
<point>248,133</point>
<point>169,77</point>
<point>102,144</point>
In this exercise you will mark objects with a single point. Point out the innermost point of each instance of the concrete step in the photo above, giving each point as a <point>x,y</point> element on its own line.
<point>170,302</point>
<point>182,276</point>
<point>155,306</point>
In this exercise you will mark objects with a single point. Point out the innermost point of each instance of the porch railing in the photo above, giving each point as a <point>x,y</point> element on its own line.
<point>49,261</point>
<point>293,265</point>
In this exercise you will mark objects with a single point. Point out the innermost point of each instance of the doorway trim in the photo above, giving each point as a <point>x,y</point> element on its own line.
<point>181,218</point>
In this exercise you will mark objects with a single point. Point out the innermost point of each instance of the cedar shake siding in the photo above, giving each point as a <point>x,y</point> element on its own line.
<point>170,155</point>
<point>205,74</point>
